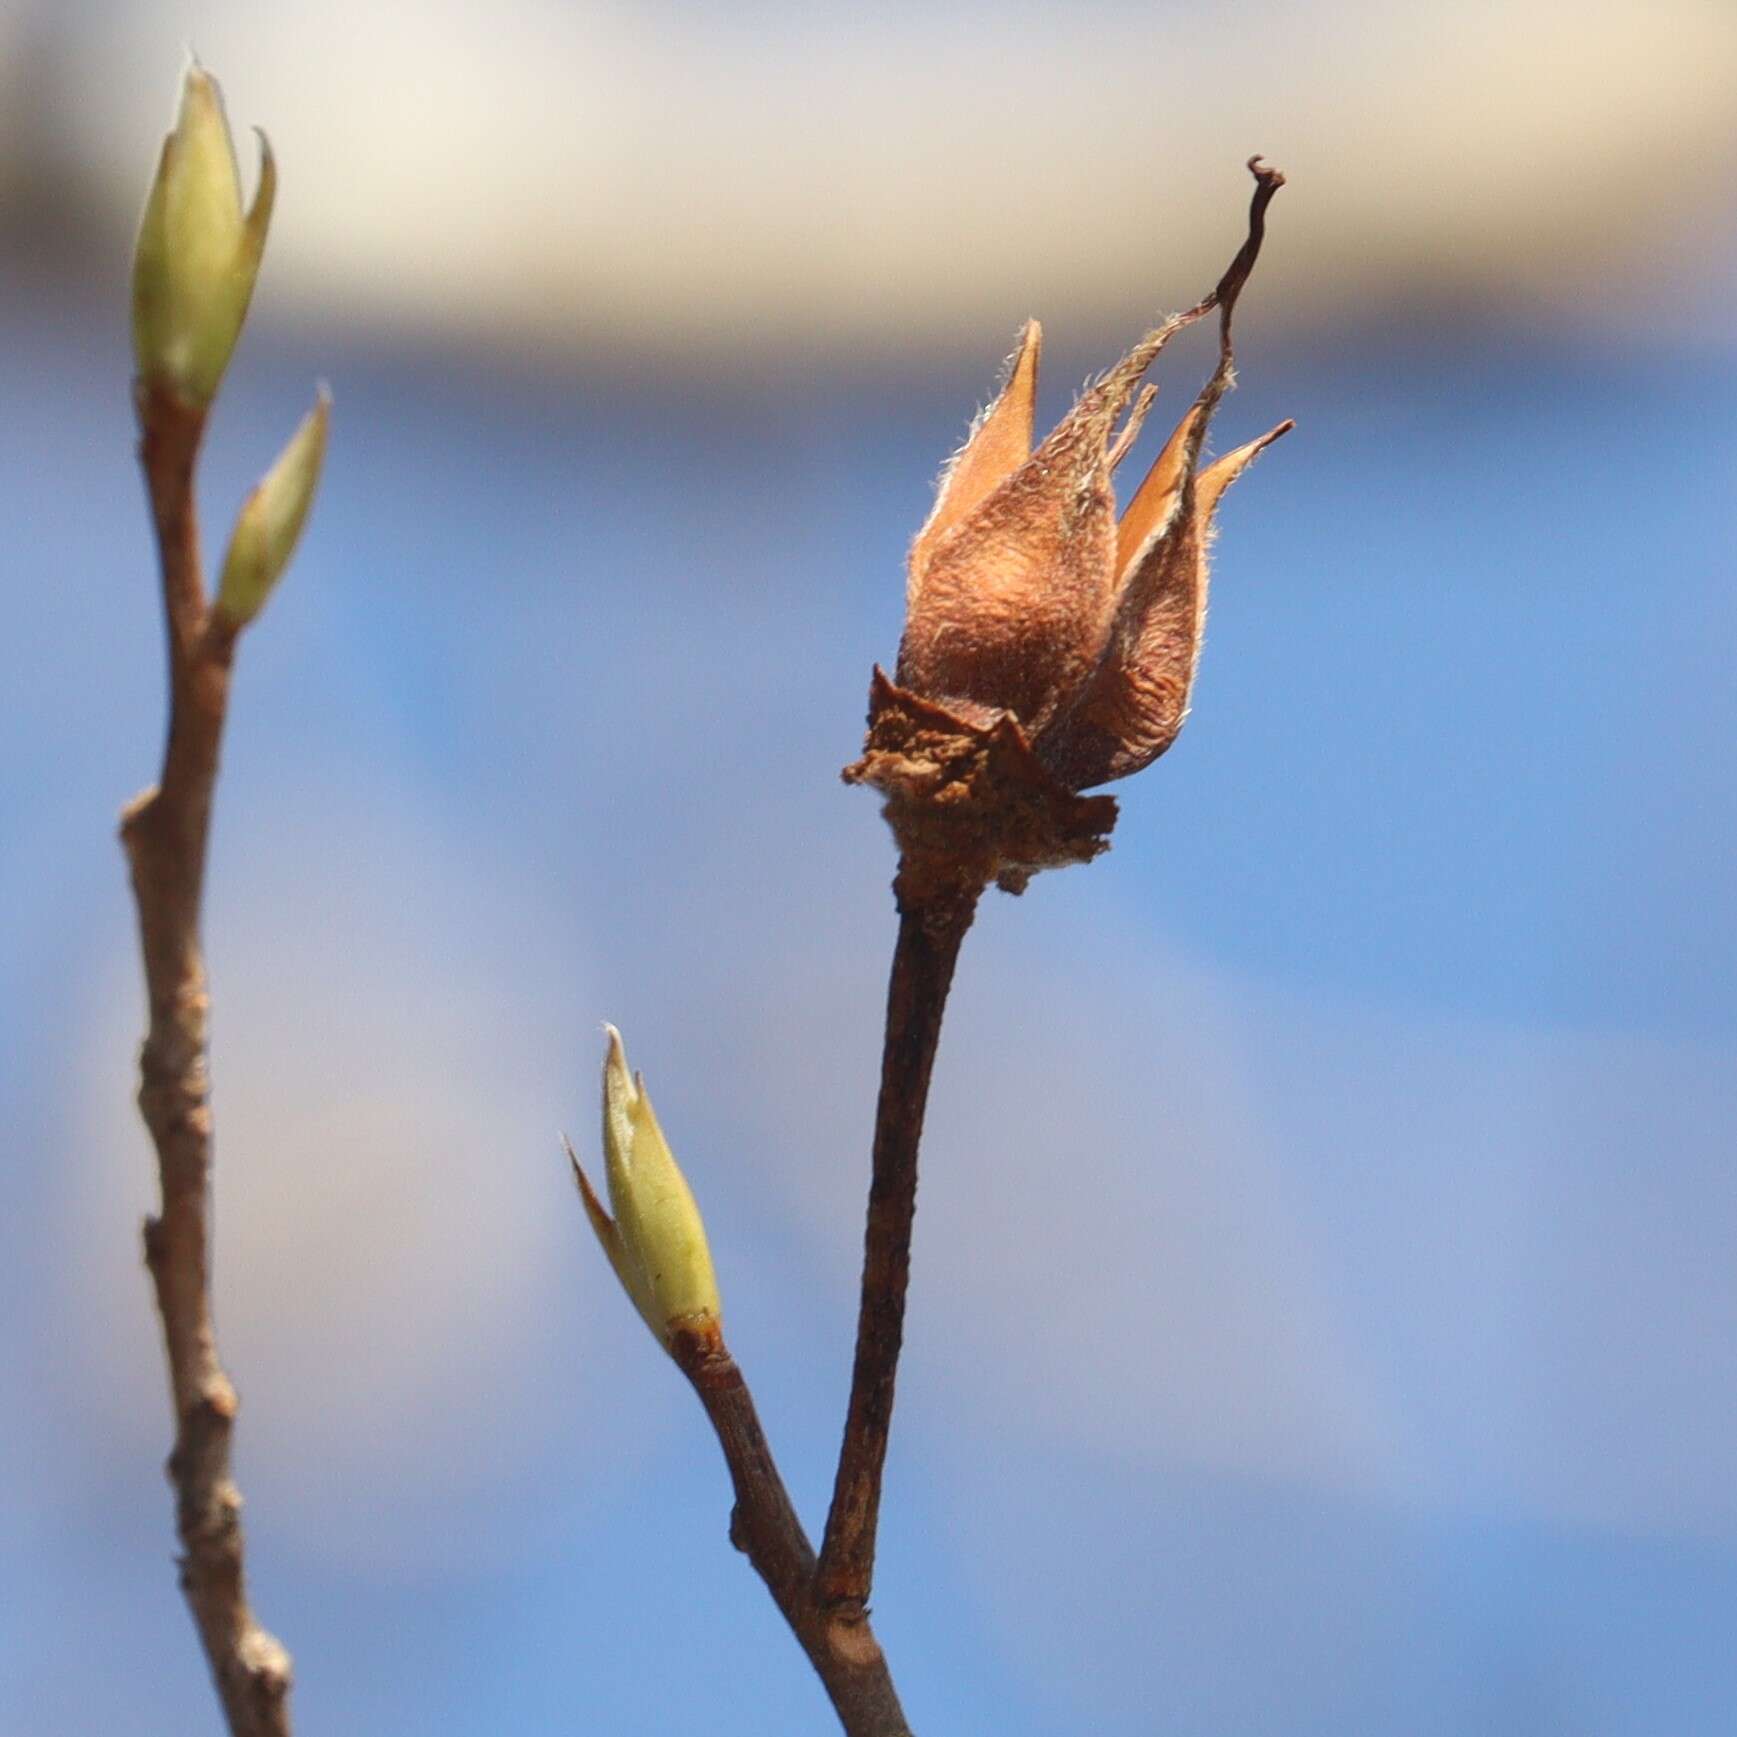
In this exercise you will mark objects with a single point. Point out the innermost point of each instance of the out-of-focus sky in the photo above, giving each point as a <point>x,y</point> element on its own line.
<point>1325,1299</point>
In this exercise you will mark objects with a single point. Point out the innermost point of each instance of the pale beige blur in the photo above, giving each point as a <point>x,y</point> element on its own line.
<point>695,179</point>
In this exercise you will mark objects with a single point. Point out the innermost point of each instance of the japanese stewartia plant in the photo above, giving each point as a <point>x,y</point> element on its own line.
<point>1050,646</point>
<point>194,269</point>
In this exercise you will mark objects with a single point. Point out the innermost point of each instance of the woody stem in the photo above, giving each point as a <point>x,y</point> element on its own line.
<point>165,832</point>
<point>930,933</point>
<point>764,1526</point>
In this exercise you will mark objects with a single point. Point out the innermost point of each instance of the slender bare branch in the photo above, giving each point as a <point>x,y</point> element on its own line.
<point>764,1526</point>
<point>931,929</point>
<point>165,832</point>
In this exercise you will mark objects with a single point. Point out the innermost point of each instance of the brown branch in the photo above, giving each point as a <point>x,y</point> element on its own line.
<point>764,1526</point>
<point>826,1603</point>
<point>932,925</point>
<point>165,833</point>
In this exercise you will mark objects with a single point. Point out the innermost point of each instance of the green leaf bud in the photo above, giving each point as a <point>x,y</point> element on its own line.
<point>271,519</point>
<point>197,254</point>
<point>657,1241</point>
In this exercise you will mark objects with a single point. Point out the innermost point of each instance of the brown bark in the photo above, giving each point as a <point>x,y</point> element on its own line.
<point>165,833</point>
<point>931,928</point>
<point>765,1527</point>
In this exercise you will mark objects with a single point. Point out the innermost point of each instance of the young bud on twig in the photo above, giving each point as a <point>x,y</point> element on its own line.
<point>197,255</point>
<point>657,1241</point>
<point>271,519</point>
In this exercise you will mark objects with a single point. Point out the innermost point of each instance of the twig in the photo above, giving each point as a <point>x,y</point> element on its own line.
<point>972,798</point>
<point>164,833</point>
<point>656,1243</point>
<point>931,929</point>
<point>971,801</point>
<point>764,1526</point>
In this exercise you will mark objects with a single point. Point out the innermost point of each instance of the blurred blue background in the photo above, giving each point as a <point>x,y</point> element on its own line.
<point>1325,1294</point>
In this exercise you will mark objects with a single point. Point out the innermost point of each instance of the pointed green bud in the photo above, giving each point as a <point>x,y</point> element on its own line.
<point>271,519</point>
<point>197,254</point>
<point>656,1242</point>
